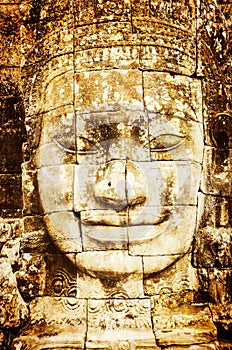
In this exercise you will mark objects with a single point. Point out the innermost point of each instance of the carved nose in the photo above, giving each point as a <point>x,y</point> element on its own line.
<point>119,184</point>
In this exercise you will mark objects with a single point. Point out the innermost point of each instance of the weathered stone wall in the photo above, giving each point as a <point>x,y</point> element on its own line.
<point>12,135</point>
<point>79,73</point>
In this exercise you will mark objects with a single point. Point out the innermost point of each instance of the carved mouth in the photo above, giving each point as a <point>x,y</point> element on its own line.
<point>111,218</point>
<point>106,227</point>
<point>125,217</point>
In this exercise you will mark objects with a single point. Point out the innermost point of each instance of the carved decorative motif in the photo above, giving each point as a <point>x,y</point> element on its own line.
<point>62,284</point>
<point>109,7</point>
<point>177,13</point>
<point>120,324</point>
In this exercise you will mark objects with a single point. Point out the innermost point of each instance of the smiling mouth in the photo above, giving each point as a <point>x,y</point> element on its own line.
<point>115,229</point>
<point>126,217</point>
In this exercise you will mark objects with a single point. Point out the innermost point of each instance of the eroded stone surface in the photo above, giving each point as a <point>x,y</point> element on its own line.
<point>120,99</point>
<point>56,188</point>
<point>217,171</point>
<point>137,37</point>
<point>213,247</point>
<point>108,90</point>
<point>214,41</point>
<point>32,275</point>
<point>108,284</point>
<point>10,34</point>
<point>46,30</point>
<point>55,322</point>
<point>113,134</point>
<point>165,238</point>
<point>100,237</point>
<point>180,138</point>
<point>164,91</point>
<point>120,324</point>
<point>14,310</point>
<point>10,229</point>
<point>39,80</point>
<point>208,346</point>
<point>182,324</point>
<point>220,294</point>
<point>64,228</point>
<point>35,237</point>
<point>31,203</point>
<point>46,275</point>
<point>214,211</point>
<point>178,279</point>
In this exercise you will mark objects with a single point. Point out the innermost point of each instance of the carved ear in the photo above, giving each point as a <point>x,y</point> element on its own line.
<point>221,131</point>
<point>217,159</point>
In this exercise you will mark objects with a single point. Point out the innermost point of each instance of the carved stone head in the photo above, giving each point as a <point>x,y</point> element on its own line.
<point>120,170</point>
<point>120,152</point>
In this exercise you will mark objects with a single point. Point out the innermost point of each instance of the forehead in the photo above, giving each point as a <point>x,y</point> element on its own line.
<point>131,92</point>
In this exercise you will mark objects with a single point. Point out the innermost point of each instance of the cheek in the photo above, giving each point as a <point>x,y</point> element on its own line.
<point>56,188</point>
<point>188,176</point>
<point>162,182</point>
<point>173,183</point>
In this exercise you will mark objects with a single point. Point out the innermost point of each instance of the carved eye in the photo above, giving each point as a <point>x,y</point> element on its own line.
<point>165,142</point>
<point>84,146</point>
<point>66,143</point>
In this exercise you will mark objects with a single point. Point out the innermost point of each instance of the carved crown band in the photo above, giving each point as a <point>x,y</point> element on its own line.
<point>160,35</point>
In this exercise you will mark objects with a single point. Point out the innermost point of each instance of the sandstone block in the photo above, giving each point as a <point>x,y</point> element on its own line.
<point>112,135</point>
<point>179,280</point>
<point>31,203</point>
<point>184,325</point>
<point>55,322</point>
<point>108,91</point>
<point>43,84</point>
<point>111,263</point>
<point>58,126</point>
<point>110,324</point>
<point>100,237</point>
<point>11,195</point>
<point>220,298</point>
<point>164,238</point>
<point>13,309</point>
<point>217,172</point>
<point>10,30</point>
<point>172,137</point>
<point>56,187</point>
<point>10,229</point>
<point>212,247</point>
<point>162,92</point>
<point>64,229</point>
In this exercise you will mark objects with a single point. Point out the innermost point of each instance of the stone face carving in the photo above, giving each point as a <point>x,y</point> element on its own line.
<point>118,180</point>
<point>127,163</point>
